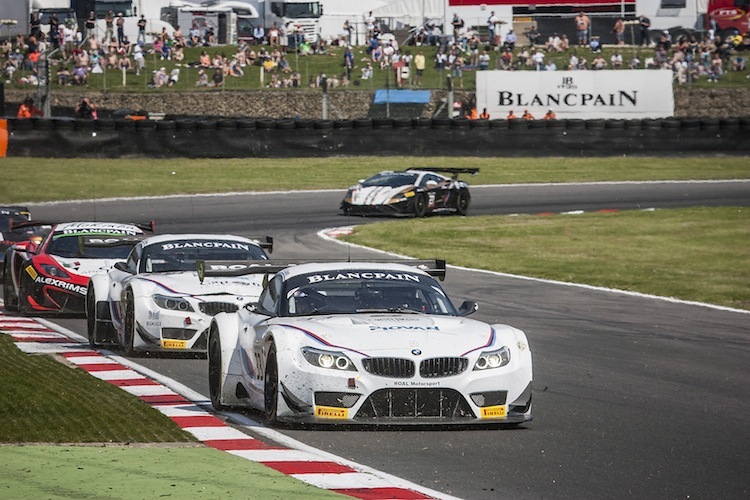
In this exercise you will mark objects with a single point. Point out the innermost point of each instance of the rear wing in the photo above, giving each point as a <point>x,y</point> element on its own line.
<point>455,171</point>
<point>106,241</point>
<point>143,226</point>
<point>225,268</point>
<point>264,242</point>
<point>16,209</point>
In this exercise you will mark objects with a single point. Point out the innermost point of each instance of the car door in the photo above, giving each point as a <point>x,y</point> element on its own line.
<point>437,189</point>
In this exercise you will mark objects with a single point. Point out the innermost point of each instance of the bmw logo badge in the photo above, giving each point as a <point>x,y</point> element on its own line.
<point>416,352</point>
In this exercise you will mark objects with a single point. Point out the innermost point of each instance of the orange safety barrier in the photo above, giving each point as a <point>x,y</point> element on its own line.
<point>3,138</point>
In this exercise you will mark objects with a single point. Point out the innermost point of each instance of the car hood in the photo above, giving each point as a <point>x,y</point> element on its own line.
<point>86,267</point>
<point>187,283</point>
<point>377,335</point>
<point>376,195</point>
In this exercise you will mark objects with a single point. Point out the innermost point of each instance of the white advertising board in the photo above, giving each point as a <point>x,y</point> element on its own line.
<point>577,94</point>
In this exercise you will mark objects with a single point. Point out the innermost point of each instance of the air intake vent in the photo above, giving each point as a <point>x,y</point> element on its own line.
<point>442,367</point>
<point>389,367</point>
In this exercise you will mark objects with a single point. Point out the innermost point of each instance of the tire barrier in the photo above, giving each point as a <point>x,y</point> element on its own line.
<point>303,124</point>
<point>441,123</point>
<point>617,124</point>
<point>343,124</point>
<point>594,124</point>
<point>421,122</point>
<point>402,123</point>
<point>104,124</point>
<point>166,125</point>
<point>145,124</point>
<point>246,124</point>
<point>323,124</point>
<point>243,138</point>
<point>225,123</point>
<point>363,123</point>
<point>382,123</point>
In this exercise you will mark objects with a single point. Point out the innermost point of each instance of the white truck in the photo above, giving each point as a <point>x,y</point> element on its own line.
<point>298,14</point>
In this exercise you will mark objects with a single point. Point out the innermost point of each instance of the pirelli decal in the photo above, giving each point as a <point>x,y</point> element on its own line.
<point>330,412</point>
<point>31,272</point>
<point>174,344</point>
<point>500,411</point>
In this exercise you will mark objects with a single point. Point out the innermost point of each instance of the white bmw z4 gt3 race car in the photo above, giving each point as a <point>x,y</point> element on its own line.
<point>365,343</point>
<point>154,301</point>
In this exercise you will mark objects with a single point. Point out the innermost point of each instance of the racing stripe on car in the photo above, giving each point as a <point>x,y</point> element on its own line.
<point>306,466</point>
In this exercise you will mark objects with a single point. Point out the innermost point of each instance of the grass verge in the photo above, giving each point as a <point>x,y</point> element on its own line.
<point>45,401</point>
<point>125,472</point>
<point>693,254</point>
<point>70,179</point>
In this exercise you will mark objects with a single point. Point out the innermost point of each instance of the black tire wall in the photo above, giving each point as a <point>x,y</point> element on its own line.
<point>419,137</point>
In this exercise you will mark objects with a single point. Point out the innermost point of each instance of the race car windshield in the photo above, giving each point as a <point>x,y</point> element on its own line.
<point>351,292</point>
<point>391,179</point>
<point>5,222</point>
<point>181,255</point>
<point>68,245</point>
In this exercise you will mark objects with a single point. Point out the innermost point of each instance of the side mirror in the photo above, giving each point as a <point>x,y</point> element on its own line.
<point>25,246</point>
<point>468,307</point>
<point>431,184</point>
<point>122,266</point>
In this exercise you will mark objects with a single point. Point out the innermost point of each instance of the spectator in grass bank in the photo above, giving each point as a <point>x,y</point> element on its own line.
<point>202,79</point>
<point>484,61</point>
<point>582,23</point>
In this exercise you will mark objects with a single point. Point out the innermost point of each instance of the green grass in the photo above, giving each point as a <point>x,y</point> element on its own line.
<point>332,64</point>
<point>696,254</point>
<point>45,401</point>
<point>66,179</point>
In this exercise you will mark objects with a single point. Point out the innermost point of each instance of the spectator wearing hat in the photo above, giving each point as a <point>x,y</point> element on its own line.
<point>202,79</point>
<point>120,28</point>
<point>28,110</point>
<point>550,115</point>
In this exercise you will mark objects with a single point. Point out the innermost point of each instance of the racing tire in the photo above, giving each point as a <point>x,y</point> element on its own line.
<point>271,387</point>
<point>462,202</point>
<point>9,296</point>
<point>129,329</point>
<point>420,205</point>
<point>214,369</point>
<point>91,318</point>
<point>23,304</point>
<point>98,332</point>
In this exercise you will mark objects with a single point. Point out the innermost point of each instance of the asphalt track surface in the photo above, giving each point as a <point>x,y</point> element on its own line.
<point>634,397</point>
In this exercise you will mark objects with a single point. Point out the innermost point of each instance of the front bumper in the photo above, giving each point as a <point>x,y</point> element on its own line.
<point>400,208</point>
<point>50,299</point>
<point>323,396</point>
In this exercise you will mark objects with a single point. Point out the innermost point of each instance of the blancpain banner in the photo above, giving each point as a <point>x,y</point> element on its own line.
<point>577,94</point>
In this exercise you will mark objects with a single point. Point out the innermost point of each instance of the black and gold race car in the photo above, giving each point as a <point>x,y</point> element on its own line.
<point>414,192</point>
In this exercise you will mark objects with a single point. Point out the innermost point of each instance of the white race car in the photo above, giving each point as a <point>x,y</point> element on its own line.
<point>365,343</point>
<point>153,301</point>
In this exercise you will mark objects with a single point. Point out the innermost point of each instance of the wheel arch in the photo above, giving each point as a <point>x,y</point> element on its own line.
<point>227,325</point>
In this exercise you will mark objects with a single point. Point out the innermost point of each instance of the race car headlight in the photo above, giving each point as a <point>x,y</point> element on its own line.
<point>52,270</point>
<point>493,359</point>
<point>409,194</point>
<point>172,303</point>
<point>328,359</point>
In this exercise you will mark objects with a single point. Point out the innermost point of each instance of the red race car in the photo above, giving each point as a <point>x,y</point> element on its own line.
<point>51,277</point>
